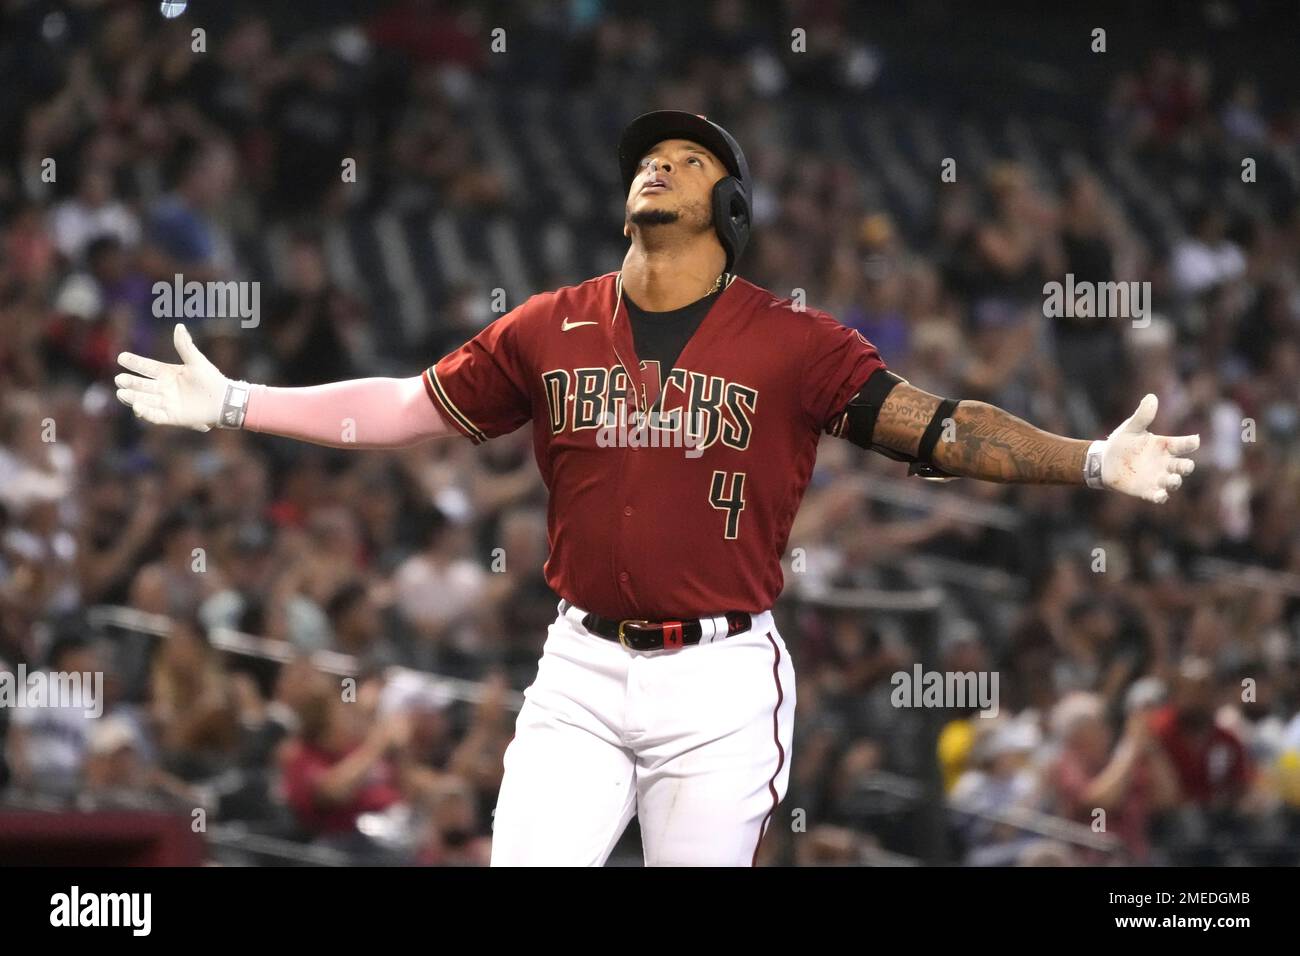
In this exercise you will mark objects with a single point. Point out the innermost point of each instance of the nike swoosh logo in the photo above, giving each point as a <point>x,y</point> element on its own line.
<point>566,325</point>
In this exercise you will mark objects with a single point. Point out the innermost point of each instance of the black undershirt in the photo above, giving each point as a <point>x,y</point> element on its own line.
<point>661,336</point>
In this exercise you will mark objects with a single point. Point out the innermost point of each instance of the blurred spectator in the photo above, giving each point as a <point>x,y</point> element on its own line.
<point>194,710</point>
<point>455,839</point>
<point>119,774</point>
<point>48,742</point>
<point>1207,257</point>
<point>315,324</point>
<point>1121,783</point>
<point>91,215</point>
<point>243,603</point>
<point>440,593</point>
<point>1090,348</point>
<point>339,766</point>
<point>358,627</point>
<point>353,755</point>
<point>1213,768</point>
<point>179,581</point>
<point>1000,781</point>
<point>183,232</point>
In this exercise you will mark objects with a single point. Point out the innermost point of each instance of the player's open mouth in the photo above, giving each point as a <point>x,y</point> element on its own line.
<point>655,186</point>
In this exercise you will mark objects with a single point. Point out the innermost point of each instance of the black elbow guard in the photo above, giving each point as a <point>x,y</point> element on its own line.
<point>857,423</point>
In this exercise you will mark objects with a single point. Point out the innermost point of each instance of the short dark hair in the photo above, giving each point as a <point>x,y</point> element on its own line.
<point>102,245</point>
<point>65,643</point>
<point>345,599</point>
<point>429,526</point>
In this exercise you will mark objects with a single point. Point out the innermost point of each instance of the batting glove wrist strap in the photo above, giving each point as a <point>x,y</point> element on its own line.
<point>1092,464</point>
<point>234,406</point>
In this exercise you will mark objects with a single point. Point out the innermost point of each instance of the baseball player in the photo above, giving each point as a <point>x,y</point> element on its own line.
<point>676,411</point>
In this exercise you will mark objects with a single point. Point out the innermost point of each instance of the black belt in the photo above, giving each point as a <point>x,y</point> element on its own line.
<point>640,635</point>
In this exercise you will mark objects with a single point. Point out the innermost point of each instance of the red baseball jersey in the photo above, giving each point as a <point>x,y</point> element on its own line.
<point>672,491</point>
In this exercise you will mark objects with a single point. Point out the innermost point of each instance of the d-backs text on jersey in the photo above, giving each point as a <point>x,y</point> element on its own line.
<point>711,408</point>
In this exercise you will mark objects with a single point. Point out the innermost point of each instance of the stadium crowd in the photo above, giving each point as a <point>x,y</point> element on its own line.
<point>1149,666</point>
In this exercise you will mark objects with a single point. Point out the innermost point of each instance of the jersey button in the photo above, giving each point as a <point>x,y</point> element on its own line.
<point>623,576</point>
<point>627,511</point>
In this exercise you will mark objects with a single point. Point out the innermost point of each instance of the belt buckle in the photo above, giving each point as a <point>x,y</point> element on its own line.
<point>622,637</point>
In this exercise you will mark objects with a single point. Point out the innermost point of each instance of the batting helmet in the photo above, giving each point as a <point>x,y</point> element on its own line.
<point>732,196</point>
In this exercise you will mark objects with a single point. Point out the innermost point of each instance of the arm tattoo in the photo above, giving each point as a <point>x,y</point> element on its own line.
<point>996,446</point>
<point>903,417</point>
<point>986,442</point>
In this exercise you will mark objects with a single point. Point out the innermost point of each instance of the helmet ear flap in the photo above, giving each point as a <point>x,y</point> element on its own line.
<point>731,217</point>
<point>738,210</point>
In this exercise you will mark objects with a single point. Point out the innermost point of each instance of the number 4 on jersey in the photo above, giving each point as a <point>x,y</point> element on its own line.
<point>727,493</point>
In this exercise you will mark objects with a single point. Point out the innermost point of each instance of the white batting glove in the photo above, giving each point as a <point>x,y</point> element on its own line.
<point>191,395</point>
<point>1138,463</point>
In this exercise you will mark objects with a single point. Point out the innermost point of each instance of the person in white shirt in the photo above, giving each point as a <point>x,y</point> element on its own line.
<point>92,213</point>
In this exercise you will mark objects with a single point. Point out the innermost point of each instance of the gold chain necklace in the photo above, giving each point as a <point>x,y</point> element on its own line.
<point>717,284</point>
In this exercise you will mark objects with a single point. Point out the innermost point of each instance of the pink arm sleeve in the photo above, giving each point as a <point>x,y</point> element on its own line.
<point>361,413</point>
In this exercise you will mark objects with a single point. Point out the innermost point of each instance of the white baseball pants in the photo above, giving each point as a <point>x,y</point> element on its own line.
<point>695,742</point>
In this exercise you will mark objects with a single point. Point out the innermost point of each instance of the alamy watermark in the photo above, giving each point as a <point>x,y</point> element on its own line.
<point>68,690</point>
<point>946,690</point>
<point>133,911</point>
<point>1098,300</point>
<point>653,430</point>
<point>179,299</point>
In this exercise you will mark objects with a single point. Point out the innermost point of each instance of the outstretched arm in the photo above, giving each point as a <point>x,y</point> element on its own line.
<point>988,443</point>
<point>362,413</point>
